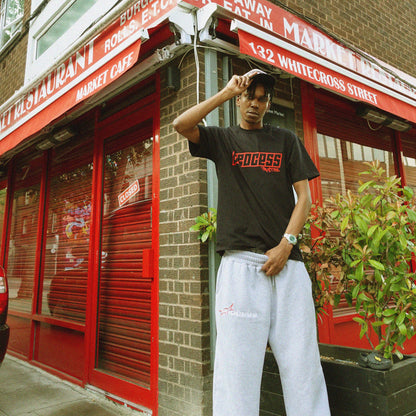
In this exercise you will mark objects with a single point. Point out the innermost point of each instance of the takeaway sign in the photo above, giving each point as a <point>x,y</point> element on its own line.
<point>276,20</point>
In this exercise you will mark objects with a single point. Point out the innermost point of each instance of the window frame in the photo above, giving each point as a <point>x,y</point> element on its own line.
<point>18,23</point>
<point>65,44</point>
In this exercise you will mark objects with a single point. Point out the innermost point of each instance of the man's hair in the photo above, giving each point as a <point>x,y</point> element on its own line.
<point>268,89</point>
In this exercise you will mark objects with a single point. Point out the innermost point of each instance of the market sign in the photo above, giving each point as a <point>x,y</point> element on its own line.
<point>255,45</point>
<point>94,66</point>
<point>299,34</point>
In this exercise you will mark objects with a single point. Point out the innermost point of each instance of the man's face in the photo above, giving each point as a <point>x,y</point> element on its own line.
<point>253,106</point>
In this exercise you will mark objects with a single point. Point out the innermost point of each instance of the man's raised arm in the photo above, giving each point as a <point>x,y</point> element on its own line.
<point>187,123</point>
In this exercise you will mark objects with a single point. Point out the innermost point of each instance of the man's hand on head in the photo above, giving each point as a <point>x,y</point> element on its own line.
<point>238,84</point>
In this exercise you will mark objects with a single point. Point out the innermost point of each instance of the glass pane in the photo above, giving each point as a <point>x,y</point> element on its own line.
<point>410,171</point>
<point>11,21</point>
<point>124,294</point>
<point>22,247</point>
<point>63,24</point>
<point>14,11</point>
<point>342,174</point>
<point>68,232</point>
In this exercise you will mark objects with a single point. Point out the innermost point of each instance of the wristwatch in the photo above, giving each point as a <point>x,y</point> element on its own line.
<point>291,238</point>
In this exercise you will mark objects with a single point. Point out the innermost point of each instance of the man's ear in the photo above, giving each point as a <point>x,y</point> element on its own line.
<point>237,101</point>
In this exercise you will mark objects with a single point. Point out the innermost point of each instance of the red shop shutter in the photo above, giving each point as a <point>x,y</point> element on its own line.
<point>124,290</point>
<point>68,231</point>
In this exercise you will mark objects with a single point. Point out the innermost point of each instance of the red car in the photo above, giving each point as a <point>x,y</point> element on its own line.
<point>4,300</point>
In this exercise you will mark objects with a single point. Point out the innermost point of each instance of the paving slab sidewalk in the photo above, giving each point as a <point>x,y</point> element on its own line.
<point>26,390</point>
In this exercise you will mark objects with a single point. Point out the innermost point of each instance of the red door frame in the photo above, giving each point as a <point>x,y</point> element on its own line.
<point>326,322</point>
<point>107,128</point>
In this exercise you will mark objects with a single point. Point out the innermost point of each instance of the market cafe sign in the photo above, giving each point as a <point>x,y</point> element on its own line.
<point>296,31</point>
<point>94,66</point>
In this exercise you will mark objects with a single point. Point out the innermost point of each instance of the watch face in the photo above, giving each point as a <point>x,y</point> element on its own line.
<point>291,238</point>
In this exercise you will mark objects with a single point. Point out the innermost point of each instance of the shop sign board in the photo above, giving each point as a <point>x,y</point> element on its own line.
<point>274,19</point>
<point>258,47</point>
<point>94,66</point>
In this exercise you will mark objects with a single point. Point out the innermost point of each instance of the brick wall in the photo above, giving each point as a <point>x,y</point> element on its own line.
<point>382,28</point>
<point>184,366</point>
<point>12,63</point>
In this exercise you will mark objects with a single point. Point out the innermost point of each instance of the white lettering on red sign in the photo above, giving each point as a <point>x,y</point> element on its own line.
<point>283,23</point>
<point>316,74</point>
<point>132,190</point>
<point>88,66</point>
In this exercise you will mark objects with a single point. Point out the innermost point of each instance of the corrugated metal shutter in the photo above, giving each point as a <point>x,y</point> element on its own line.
<point>68,232</point>
<point>124,293</point>
<point>23,235</point>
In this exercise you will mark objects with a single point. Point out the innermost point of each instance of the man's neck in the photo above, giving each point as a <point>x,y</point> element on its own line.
<point>248,126</point>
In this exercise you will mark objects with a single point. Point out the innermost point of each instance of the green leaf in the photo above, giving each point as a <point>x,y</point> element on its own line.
<point>389,312</point>
<point>355,263</point>
<point>371,230</point>
<point>363,331</point>
<point>362,224</point>
<point>204,236</point>
<point>376,264</point>
<point>344,224</point>
<point>358,320</point>
<point>364,298</point>
<point>408,192</point>
<point>403,329</point>
<point>364,186</point>
<point>411,214</point>
<point>388,320</point>
<point>355,291</point>
<point>400,318</point>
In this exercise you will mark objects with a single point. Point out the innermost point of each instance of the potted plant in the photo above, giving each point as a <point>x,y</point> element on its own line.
<point>366,242</point>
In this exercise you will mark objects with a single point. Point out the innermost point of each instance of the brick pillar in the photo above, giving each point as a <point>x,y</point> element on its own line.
<point>184,359</point>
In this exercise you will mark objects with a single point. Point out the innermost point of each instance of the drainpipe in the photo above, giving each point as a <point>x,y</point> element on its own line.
<point>213,119</point>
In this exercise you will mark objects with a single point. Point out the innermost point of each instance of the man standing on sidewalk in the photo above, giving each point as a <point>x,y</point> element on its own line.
<point>263,290</point>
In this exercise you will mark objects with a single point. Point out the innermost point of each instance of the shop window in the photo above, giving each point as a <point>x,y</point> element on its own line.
<point>410,171</point>
<point>11,15</point>
<point>68,233</point>
<point>280,116</point>
<point>124,293</point>
<point>407,141</point>
<point>341,161</point>
<point>21,262</point>
<point>60,26</point>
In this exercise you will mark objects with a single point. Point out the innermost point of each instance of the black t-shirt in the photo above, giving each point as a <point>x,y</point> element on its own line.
<point>256,170</point>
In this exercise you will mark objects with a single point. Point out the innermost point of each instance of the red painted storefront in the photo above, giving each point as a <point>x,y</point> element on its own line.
<point>80,237</point>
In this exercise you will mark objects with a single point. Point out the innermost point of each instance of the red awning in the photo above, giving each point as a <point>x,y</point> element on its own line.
<point>270,50</point>
<point>93,67</point>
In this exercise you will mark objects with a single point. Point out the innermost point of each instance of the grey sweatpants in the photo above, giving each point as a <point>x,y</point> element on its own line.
<point>251,309</point>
